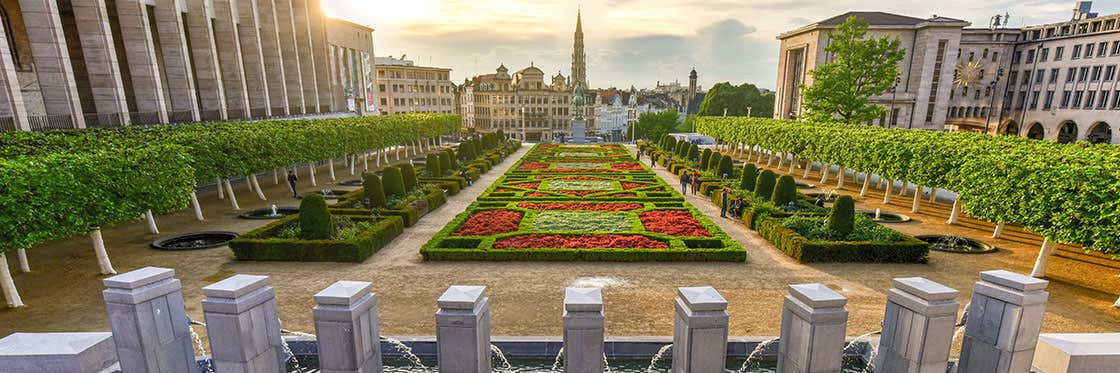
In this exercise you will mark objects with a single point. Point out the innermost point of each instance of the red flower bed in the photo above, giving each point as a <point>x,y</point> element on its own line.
<point>628,166</point>
<point>586,241</point>
<point>673,222</point>
<point>624,195</point>
<point>628,185</point>
<point>538,194</point>
<point>533,166</point>
<point>485,223</point>
<point>503,190</point>
<point>580,206</point>
<point>528,185</point>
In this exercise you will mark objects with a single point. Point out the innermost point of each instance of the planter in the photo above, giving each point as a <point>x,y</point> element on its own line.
<point>194,240</point>
<point>956,244</point>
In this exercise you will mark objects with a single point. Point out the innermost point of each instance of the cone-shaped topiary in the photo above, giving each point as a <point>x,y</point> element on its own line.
<point>764,186</point>
<point>314,219</point>
<point>408,174</point>
<point>749,177</point>
<point>374,191</point>
<point>445,163</point>
<point>393,182</point>
<point>785,191</point>
<point>671,144</point>
<point>454,159</point>
<point>842,218</point>
<point>725,167</point>
<point>432,165</point>
<point>694,152</point>
<point>713,163</point>
<point>704,158</point>
<point>501,135</point>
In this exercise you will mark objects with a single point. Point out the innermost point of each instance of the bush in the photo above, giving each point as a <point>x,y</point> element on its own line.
<point>445,163</point>
<point>373,190</point>
<point>725,167</point>
<point>764,186</point>
<point>393,182</point>
<point>314,220</point>
<point>904,250</point>
<point>785,192</point>
<point>841,218</point>
<point>749,177</point>
<point>453,159</point>
<point>704,158</point>
<point>263,244</point>
<point>408,175</point>
<point>432,165</point>
<point>713,162</point>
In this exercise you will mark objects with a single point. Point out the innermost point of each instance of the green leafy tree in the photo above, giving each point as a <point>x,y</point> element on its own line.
<point>432,165</point>
<point>785,191</point>
<point>394,182</point>
<point>314,218</point>
<point>861,67</point>
<point>656,125</point>
<point>841,219</point>
<point>764,186</point>
<point>736,100</point>
<point>374,191</point>
<point>749,177</point>
<point>408,174</point>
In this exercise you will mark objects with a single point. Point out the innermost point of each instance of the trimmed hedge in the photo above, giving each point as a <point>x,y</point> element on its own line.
<point>259,243</point>
<point>908,250</point>
<point>785,192</point>
<point>408,175</point>
<point>764,186</point>
<point>374,191</point>
<point>749,177</point>
<point>842,217</point>
<point>393,181</point>
<point>432,165</point>
<point>314,219</point>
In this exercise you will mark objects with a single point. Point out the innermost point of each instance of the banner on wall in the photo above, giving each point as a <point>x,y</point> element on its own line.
<point>370,93</point>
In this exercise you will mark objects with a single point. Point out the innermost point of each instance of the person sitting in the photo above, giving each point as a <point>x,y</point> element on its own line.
<point>738,206</point>
<point>466,175</point>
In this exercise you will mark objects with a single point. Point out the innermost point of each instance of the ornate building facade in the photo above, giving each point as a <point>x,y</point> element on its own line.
<point>521,104</point>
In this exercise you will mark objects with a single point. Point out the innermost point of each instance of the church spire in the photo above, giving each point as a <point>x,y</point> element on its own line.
<point>579,58</point>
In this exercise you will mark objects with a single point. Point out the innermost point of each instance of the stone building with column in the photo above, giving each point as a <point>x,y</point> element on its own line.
<point>403,87</point>
<point>110,63</point>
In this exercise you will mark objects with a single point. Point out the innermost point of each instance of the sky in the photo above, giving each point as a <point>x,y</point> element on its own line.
<point>638,42</point>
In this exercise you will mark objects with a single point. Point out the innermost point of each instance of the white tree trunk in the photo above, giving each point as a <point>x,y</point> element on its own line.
<point>330,168</point>
<point>275,176</point>
<point>781,161</point>
<point>377,158</point>
<point>808,167</point>
<point>311,170</point>
<point>257,186</point>
<point>152,228</point>
<point>905,188</point>
<point>825,168</point>
<point>887,194</point>
<point>232,197</point>
<point>998,232</point>
<point>24,265</point>
<point>11,295</point>
<point>196,206</point>
<point>365,162</point>
<point>840,179</point>
<point>866,184</point>
<point>221,191</point>
<point>933,195</point>
<point>917,201</point>
<point>99,250</point>
<point>1043,257</point>
<point>770,159</point>
<point>955,214</point>
<point>398,152</point>
<point>761,153</point>
<point>353,163</point>
<point>1117,304</point>
<point>793,165</point>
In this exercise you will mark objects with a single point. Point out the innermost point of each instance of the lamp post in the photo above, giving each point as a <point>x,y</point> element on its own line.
<point>992,104</point>
<point>894,89</point>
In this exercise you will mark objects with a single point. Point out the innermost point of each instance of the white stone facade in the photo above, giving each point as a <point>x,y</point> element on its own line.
<point>405,88</point>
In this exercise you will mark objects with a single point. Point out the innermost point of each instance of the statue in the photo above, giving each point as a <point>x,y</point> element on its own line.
<point>578,101</point>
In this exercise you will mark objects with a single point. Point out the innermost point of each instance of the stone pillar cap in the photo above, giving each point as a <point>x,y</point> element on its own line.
<point>925,289</point>
<point>461,297</point>
<point>235,286</point>
<point>138,278</point>
<point>1014,280</point>
<point>28,344</point>
<point>702,298</point>
<point>583,299</point>
<point>1081,344</point>
<point>817,296</point>
<point>344,293</point>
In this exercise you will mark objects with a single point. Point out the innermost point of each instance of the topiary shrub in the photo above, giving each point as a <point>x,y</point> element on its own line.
<point>749,177</point>
<point>314,218</point>
<point>408,174</point>
<point>785,191</point>
<point>764,186</point>
<point>454,159</point>
<point>713,163</point>
<point>501,134</point>
<point>841,219</point>
<point>694,152</point>
<point>725,167</point>
<point>393,182</point>
<point>704,158</point>
<point>432,165</point>
<point>374,191</point>
<point>445,163</point>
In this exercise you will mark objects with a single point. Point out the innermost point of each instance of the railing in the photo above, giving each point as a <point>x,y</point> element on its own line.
<point>183,116</point>
<point>210,115</point>
<point>8,124</point>
<point>108,120</point>
<point>40,123</point>
<point>145,118</point>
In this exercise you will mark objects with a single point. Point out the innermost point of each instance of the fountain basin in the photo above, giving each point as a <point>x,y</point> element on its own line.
<point>885,217</point>
<point>267,213</point>
<point>195,240</point>
<point>828,197</point>
<point>805,185</point>
<point>351,183</point>
<point>956,244</point>
<point>328,193</point>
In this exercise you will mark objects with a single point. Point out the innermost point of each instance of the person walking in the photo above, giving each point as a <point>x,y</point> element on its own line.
<point>292,178</point>
<point>695,181</point>
<point>685,176</point>
<point>723,206</point>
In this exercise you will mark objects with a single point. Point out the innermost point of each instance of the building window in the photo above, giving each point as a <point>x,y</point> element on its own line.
<point>1049,103</point>
<point>1071,75</point>
<point>1054,75</point>
<point>1039,75</point>
<point>1030,56</point>
<point>1076,52</point>
<point>1116,48</point>
<point>1045,55</point>
<point>1059,53</point>
<point>1116,99</point>
<point>995,56</point>
<point>1016,57</point>
<point>1102,48</point>
<point>1077,99</point>
<point>1083,74</point>
<point>1096,75</point>
<point>1103,103</point>
<point>1089,100</point>
<point>1109,73</point>
<point>381,87</point>
<point>1026,77</point>
<point>1089,50</point>
<point>1065,99</point>
<point>1034,100</point>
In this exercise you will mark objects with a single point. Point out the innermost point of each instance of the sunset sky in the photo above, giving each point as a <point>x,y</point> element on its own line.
<point>637,42</point>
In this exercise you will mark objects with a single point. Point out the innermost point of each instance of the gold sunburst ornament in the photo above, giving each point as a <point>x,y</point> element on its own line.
<point>968,73</point>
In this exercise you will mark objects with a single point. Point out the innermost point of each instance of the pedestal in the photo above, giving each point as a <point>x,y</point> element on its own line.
<point>579,131</point>
<point>1004,320</point>
<point>1077,353</point>
<point>917,327</point>
<point>242,325</point>
<point>700,331</point>
<point>346,325</point>
<point>151,329</point>
<point>463,330</point>
<point>813,325</point>
<point>583,330</point>
<point>57,352</point>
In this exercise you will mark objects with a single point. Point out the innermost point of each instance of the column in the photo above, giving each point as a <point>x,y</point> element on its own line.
<point>136,35</point>
<point>57,352</point>
<point>207,73</point>
<point>917,327</point>
<point>176,61</point>
<point>307,63</point>
<point>1004,319</point>
<point>813,325</point>
<point>321,54</point>
<point>252,58</point>
<point>273,57</point>
<point>293,78</point>
<point>149,321</point>
<point>242,325</point>
<point>583,330</point>
<point>52,61</point>
<point>11,98</point>
<point>101,61</point>
<point>228,46</point>
<point>463,330</point>
<point>700,331</point>
<point>346,327</point>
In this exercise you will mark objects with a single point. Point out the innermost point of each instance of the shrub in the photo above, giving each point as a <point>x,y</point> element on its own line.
<point>454,159</point>
<point>704,158</point>
<point>764,186</point>
<point>749,177</point>
<point>314,219</point>
<point>374,191</point>
<point>713,162</point>
<point>445,163</point>
<point>393,182</point>
<point>432,165</point>
<point>501,134</point>
<point>694,152</point>
<point>841,218</point>
<point>408,175</point>
<point>725,167</point>
<point>785,192</point>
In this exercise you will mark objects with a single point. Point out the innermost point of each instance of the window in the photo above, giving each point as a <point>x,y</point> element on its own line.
<point>1109,73</point>
<point>995,56</point>
<point>1039,75</point>
<point>1065,99</point>
<point>1077,99</point>
<point>1076,55</point>
<point>1016,57</point>
<point>1013,77</point>
<point>1071,75</point>
<point>1116,48</point>
<point>381,87</point>
<point>1102,48</point>
<point>1034,100</point>
<point>384,101</point>
<point>1054,75</point>
<point>1049,103</point>
<point>1030,56</point>
<point>1116,99</point>
<point>985,55</point>
<point>976,95</point>
<point>1089,50</point>
<point>1103,103</point>
<point>1026,77</point>
<point>1089,100</point>
<point>1096,75</point>
<point>1045,55</point>
<point>971,56</point>
<point>1083,74</point>
<point>1058,53</point>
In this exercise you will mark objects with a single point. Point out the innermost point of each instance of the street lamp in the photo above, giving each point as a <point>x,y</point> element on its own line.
<point>894,89</point>
<point>992,104</point>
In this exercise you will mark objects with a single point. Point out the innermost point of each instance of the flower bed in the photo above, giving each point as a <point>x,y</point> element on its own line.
<point>489,222</point>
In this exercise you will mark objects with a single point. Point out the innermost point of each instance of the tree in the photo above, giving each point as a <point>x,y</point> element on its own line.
<point>725,167</point>
<point>736,99</point>
<point>393,182</point>
<point>694,152</point>
<point>432,165</point>
<point>704,158</point>
<point>655,125</point>
<point>862,67</point>
<point>713,162</point>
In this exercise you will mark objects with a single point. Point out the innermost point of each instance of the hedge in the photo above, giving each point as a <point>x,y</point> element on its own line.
<point>259,243</point>
<point>908,250</point>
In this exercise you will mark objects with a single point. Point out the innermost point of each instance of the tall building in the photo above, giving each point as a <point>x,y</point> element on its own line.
<point>579,58</point>
<point>404,87</point>
<point>521,104</point>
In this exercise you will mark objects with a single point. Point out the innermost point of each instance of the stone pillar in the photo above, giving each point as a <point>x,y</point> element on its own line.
<point>101,61</point>
<point>1004,319</point>
<point>204,48</point>
<point>242,325</point>
<point>463,330</point>
<point>57,352</point>
<point>273,56</point>
<point>321,54</point>
<point>813,325</point>
<point>306,60</point>
<point>136,34</point>
<point>228,45</point>
<point>346,325</point>
<point>149,320</point>
<point>252,58</point>
<point>286,27</point>
<point>52,60</point>
<point>917,327</point>
<point>583,330</point>
<point>700,331</point>
<point>11,98</point>
<point>1077,353</point>
<point>176,61</point>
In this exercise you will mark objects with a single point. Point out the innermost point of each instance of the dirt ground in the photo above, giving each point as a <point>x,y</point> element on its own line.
<point>63,289</point>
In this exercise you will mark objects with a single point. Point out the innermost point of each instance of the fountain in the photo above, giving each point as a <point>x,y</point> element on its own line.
<point>198,343</point>
<point>880,216</point>
<point>559,359</point>
<point>288,348</point>
<point>331,194</point>
<point>755,353</point>
<point>195,240</point>
<point>956,244</point>
<point>874,347</point>
<point>406,352</point>
<point>657,357</point>
<point>272,212</point>
<point>351,183</point>
<point>501,357</point>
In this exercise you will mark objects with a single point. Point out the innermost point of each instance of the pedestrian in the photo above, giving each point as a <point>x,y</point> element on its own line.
<point>652,161</point>
<point>292,178</point>
<point>685,182</point>
<point>723,205</point>
<point>695,181</point>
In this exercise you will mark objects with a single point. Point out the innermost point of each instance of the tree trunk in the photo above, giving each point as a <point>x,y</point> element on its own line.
<point>1043,257</point>
<point>882,183</point>
<point>770,159</point>
<point>781,161</point>
<point>11,295</point>
<point>905,188</point>
<point>221,191</point>
<point>998,232</point>
<point>887,194</point>
<point>196,206</point>
<point>311,170</point>
<point>808,168</point>
<point>257,186</point>
<point>956,213</point>
<point>152,228</point>
<point>917,201</point>
<point>232,197</point>
<point>24,265</point>
<point>825,168</point>
<point>249,183</point>
<point>866,184</point>
<point>330,168</point>
<point>761,152</point>
<point>99,250</point>
<point>840,179</point>
<point>793,164</point>
<point>932,195</point>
